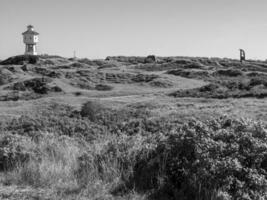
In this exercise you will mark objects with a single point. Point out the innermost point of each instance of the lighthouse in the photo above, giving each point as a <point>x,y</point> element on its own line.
<point>30,39</point>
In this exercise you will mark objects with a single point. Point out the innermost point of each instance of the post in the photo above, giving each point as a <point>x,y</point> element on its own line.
<point>242,55</point>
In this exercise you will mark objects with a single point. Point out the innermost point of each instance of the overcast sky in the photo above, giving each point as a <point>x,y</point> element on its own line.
<point>100,28</point>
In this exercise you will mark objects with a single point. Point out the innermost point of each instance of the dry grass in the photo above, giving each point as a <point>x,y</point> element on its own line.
<point>75,156</point>
<point>52,165</point>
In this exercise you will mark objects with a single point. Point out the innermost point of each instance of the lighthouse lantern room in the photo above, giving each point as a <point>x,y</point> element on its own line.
<point>30,39</point>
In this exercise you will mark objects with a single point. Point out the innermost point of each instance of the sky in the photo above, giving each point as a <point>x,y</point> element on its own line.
<point>100,28</point>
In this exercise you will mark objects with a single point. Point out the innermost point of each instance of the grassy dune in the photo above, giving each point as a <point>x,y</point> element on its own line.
<point>132,128</point>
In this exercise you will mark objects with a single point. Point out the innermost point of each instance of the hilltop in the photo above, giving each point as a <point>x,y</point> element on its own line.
<point>132,128</point>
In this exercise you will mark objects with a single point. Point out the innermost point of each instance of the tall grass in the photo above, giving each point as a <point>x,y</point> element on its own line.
<point>52,163</point>
<point>134,157</point>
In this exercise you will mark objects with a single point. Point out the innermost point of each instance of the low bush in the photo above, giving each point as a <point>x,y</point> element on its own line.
<point>225,89</point>
<point>126,60</point>
<point>150,59</point>
<point>20,60</point>
<point>144,77</point>
<point>14,151</point>
<point>200,159</point>
<point>46,72</point>
<point>107,152</point>
<point>189,73</point>
<point>228,72</point>
<point>103,87</point>
<point>92,110</point>
<point>36,85</point>
<point>194,65</point>
<point>59,119</point>
<point>5,76</point>
<point>258,81</point>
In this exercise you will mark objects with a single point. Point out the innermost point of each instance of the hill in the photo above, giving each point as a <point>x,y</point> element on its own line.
<point>132,128</point>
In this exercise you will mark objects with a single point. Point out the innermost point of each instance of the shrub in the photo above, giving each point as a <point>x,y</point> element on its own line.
<point>189,73</point>
<point>19,60</point>
<point>225,89</point>
<point>78,93</point>
<point>258,81</point>
<point>150,59</point>
<point>61,120</point>
<point>228,72</point>
<point>198,159</point>
<point>14,151</point>
<point>102,87</point>
<point>144,77</point>
<point>5,76</point>
<point>91,110</point>
<point>52,162</point>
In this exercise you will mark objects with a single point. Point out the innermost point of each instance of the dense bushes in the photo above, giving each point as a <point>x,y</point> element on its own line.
<point>189,73</point>
<point>57,119</point>
<point>14,150</point>
<point>33,88</point>
<point>103,87</point>
<point>226,89</point>
<point>46,161</point>
<point>228,72</point>
<point>5,76</point>
<point>198,160</point>
<point>91,109</point>
<point>118,151</point>
<point>20,60</point>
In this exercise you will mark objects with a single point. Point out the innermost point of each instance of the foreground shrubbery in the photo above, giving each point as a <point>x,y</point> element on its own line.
<point>198,160</point>
<point>110,154</point>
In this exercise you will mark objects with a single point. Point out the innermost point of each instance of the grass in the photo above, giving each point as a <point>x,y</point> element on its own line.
<point>130,140</point>
<point>51,165</point>
<point>125,160</point>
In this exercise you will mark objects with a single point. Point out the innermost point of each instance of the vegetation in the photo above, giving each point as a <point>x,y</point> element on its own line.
<point>112,129</point>
<point>103,87</point>
<point>101,152</point>
<point>227,89</point>
<point>20,60</point>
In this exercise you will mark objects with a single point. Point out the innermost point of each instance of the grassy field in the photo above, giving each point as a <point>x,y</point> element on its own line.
<point>133,128</point>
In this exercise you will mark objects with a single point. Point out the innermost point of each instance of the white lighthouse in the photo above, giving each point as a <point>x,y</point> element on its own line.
<point>30,38</point>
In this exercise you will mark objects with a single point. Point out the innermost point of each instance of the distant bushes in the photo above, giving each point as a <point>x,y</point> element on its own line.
<point>227,89</point>
<point>144,77</point>
<point>20,60</point>
<point>46,56</point>
<point>126,60</point>
<point>101,64</point>
<point>37,85</point>
<point>150,59</point>
<point>103,87</point>
<point>189,73</point>
<point>258,81</point>
<point>228,72</point>
<point>5,76</point>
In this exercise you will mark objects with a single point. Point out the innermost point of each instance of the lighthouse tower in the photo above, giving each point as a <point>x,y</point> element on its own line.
<point>30,39</point>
